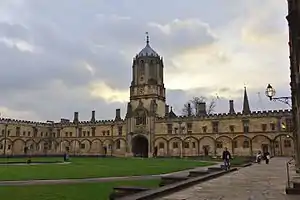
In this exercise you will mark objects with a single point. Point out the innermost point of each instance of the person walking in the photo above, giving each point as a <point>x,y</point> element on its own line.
<point>267,157</point>
<point>258,157</point>
<point>226,158</point>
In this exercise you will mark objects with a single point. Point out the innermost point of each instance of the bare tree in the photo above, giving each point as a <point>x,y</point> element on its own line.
<point>210,105</point>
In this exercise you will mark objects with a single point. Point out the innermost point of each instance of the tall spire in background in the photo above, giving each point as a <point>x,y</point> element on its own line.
<point>246,107</point>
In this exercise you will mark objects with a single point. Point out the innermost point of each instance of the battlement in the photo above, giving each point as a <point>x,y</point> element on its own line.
<point>220,116</point>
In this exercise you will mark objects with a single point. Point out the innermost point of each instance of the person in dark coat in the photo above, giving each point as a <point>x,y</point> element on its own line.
<point>267,157</point>
<point>226,156</point>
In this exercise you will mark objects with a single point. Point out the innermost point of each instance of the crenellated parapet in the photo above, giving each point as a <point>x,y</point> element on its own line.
<point>221,116</point>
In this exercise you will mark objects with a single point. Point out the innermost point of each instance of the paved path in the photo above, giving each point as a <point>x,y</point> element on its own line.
<point>101,179</point>
<point>258,182</point>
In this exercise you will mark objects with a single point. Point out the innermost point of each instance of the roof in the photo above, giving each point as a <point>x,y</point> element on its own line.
<point>147,50</point>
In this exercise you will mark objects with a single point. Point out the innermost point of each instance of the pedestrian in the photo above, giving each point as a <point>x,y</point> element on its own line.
<point>267,157</point>
<point>226,158</point>
<point>258,157</point>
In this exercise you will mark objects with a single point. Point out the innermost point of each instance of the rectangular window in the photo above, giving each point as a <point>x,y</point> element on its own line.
<point>246,126</point>
<point>161,145</point>
<point>204,129</point>
<point>118,144</point>
<point>186,145</point>
<point>264,127</point>
<point>231,128</point>
<point>276,144</point>
<point>71,134</point>
<point>215,126</point>
<point>18,131</point>
<point>194,145</point>
<point>93,131</point>
<point>272,126</point>
<point>176,130</point>
<point>219,145</point>
<point>88,133</point>
<point>289,125</point>
<point>170,128</point>
<point>8,132</point>
<point>189,126</point>
<point>107,132</point>
<point>175,145</point>
<point>120,130</point>
<point>246,144</point>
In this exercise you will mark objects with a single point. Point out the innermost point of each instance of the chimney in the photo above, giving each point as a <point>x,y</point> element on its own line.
<point>201,108</point>
<point>93,119</point>
<point>189,110</point>
<point>166,110</point>
<point>118,114</point>
<point>76,117</point>
<point>231,107</point>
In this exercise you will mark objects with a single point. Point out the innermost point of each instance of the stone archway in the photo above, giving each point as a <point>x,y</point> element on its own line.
<point>140,146</point>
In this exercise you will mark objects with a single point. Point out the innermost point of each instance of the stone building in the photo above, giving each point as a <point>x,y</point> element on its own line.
<point>151,124</point>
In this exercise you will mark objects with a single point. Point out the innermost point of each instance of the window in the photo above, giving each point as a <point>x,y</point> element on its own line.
<point>264,127</point>
<point>287,143</point>
<point>103,133</point>
<point>189,126</point>
<point>58,132</point>
<point>272,126</point>
<point>215,126</point>
<point>3,132</point>
<point>80,132</point>
<point>83,133</point>
<point>9,147</point>
<point>67,134</point>
<point>24,133</point>
<point>17,131</point>
<point>182,129</point>
<point>175,145</point>
<point>88,133</point>
<point>161,145</point>
<point>219,145</point>
<point>246,144</point>
<point>246,126</point>
<point>8,132</point>
<point>276,144</point>
<point>1,146</point>
<point>235,144</point>
<point>204,129</point>
<point>107,132</point>
<point>28,133</point>
<point>194,145</point>
<point>120,130</point>
<point>170,127</point>
<point>82,146</point>
<point>93,131</point>
<point>231,128</point>
<point>186,145</point>
<point>71,134</point>
<point>42,134</point>
<point>289,125</point>
<point>118,144</point>
<point>176,130</point>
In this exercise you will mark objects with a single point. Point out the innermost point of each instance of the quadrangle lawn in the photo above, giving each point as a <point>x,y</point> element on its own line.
<point>83,191</point>
<point>95,167</point>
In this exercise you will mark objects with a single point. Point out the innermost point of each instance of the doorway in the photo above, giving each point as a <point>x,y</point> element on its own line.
<point>140,146</point>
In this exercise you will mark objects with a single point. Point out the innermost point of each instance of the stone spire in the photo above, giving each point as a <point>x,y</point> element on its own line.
<point>246,107</point>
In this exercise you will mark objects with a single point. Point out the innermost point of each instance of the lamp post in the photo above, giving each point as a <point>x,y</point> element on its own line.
<point>271,92</point>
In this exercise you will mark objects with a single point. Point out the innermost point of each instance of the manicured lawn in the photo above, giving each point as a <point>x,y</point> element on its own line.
<point>84,191</point>
<point>96,167</point>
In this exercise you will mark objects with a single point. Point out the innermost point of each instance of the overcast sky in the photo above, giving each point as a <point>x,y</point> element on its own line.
<point>57,57</point>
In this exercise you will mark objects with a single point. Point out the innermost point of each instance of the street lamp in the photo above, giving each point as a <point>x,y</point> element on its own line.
<point>271,92</point>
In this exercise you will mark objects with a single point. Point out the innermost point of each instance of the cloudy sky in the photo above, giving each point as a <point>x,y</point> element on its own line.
<point>58,57</point>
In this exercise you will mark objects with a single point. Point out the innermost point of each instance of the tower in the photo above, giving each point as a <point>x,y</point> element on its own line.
<point>147,86</point>
<point>147,101</point>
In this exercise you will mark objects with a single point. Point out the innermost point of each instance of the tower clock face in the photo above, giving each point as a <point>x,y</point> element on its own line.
<point>141,91</point>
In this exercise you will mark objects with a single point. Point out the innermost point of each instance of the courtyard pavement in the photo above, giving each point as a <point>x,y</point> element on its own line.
<point>101,179</point>
<point>257,182</point>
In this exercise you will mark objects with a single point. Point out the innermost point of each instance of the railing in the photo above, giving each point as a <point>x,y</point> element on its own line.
<point>288,172</point>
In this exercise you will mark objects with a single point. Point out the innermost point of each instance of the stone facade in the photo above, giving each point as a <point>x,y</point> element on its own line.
<point>294,44</point>
<point>151,126</point>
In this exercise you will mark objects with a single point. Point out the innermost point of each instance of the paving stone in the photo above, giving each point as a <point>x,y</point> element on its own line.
<point>257,182</point>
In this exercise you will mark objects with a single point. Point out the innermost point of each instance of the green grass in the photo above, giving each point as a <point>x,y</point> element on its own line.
<point>84,191</point>
<point>96,167</point>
